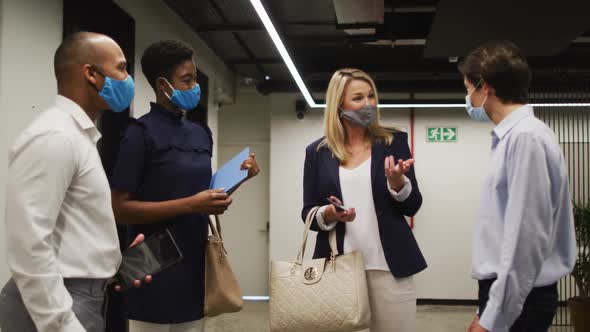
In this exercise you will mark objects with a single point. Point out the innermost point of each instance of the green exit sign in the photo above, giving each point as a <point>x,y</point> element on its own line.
<point>441,134</point>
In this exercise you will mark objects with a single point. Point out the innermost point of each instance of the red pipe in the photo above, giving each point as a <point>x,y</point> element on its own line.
<point>412,132</point>
<point>412,150</point>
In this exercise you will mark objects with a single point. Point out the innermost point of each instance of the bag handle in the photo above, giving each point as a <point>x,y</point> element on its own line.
<point>217,239</point>
<point>332,237</point>
<point>215,228</point>
<point>333,243</point>
<point>308,220</point>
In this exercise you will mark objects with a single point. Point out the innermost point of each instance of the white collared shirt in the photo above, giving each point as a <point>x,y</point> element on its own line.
<point>59,218</point>
<point>524,235</point>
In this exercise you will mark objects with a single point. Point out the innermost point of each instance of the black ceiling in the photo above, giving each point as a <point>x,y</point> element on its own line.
<point>319,45</point>
<point>543,28</point>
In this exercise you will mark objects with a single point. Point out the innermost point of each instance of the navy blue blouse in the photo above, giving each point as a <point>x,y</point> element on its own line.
<point>163,157</point>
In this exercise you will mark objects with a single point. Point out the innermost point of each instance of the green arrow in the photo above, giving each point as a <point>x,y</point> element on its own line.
<point>449,134</point>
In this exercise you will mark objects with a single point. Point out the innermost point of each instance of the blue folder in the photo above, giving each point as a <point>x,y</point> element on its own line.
<point>230,176</point>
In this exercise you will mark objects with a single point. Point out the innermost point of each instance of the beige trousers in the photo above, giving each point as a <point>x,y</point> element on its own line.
<point>196,326</point>
<point>393,302</point>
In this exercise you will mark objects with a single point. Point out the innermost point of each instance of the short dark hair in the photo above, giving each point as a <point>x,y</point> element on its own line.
<point>501,64</point>
<point>160,59</point>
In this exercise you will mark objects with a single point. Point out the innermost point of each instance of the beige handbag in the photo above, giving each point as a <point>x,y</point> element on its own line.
<point>222,291</point>
<point>325,294</point>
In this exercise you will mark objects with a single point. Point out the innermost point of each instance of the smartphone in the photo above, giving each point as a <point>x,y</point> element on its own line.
<point>339,207</point>
<point>157,252</point>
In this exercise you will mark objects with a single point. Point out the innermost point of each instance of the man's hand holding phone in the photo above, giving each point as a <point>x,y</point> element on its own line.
<point>148,278</point>
<point>144,258</point>
<point>335,211</point>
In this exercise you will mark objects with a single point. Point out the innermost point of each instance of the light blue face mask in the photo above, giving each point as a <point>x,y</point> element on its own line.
<point>476,113</point>
<point>117,93</point>
<point>185,99</point>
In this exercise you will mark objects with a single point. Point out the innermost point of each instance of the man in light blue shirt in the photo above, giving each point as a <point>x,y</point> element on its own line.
<point>524,238</point>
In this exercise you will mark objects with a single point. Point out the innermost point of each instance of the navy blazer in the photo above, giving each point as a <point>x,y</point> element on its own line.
<point>321,179</point>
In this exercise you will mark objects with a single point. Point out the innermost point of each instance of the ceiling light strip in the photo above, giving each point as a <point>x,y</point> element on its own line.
<point>560,104</point>
<point>463,105</point>
<point>282,50</point>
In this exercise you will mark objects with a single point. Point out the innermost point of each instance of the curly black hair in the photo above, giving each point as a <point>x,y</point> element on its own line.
<point>160,59</point>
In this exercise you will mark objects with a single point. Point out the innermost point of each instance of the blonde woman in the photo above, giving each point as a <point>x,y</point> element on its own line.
<point>369,169</point>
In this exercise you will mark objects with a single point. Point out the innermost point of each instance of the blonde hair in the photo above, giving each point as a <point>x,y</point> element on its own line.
<point>334,132</point>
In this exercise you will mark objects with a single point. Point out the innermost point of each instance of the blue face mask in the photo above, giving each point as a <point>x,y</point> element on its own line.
<point>185,99</point>
<point>117,93</point>
<point>476,113</point>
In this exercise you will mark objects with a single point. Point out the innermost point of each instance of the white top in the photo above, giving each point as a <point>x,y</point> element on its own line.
<point>362,234</point>
<point>59,218</point>
<point>524,235</point>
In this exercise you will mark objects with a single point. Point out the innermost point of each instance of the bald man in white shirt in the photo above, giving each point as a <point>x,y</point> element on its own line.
<point>62,240</point>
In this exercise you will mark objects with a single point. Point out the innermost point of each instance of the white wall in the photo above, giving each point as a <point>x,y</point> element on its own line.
<point>30,32</point>
<point>449,176</point>
<point>248,120</point>
<point>247,123</point>
<point>289,137</point>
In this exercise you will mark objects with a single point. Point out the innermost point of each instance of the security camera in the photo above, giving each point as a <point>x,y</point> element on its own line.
<point>300,109</point>
<point>249,81</point>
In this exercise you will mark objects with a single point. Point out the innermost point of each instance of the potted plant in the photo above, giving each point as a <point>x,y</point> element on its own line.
<point>580,305</point>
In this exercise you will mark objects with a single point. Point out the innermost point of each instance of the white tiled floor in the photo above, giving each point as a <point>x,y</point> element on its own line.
<point>254,318</point>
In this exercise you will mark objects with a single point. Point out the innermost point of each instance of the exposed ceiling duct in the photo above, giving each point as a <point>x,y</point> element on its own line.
<point>396,42</point>
<point>359,12</point>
